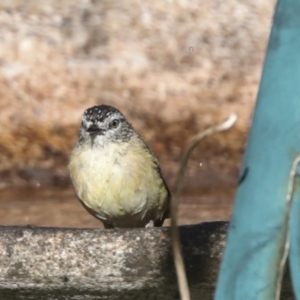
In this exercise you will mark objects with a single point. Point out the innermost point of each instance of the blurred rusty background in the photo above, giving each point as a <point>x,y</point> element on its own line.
<point>172,67</point>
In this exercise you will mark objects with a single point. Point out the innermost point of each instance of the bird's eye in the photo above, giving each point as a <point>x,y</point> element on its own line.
<point>114,123</point>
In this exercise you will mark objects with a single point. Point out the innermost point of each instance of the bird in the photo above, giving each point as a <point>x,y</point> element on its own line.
<point>115,174</point>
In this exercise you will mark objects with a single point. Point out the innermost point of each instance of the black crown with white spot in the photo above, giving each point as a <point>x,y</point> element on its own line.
<point>99,113</point>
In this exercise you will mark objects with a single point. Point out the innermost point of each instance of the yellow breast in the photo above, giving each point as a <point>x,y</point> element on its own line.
<point>119,183</point>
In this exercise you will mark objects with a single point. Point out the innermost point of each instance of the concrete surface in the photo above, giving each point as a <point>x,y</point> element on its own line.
<point>60,263</point>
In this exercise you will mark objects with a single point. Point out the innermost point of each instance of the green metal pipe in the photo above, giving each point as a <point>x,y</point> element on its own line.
<point>258,230</point>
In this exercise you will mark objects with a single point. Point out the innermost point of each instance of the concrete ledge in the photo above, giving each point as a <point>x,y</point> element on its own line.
<point>58,263</point>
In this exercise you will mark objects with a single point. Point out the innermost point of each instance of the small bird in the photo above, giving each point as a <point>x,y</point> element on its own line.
<point>115,175</point>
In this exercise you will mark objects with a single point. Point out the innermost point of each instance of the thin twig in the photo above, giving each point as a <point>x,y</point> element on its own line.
<point>177,252</point>
<point>286,226</point>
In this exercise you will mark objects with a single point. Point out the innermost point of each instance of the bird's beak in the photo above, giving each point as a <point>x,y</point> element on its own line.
<point>95,130</point>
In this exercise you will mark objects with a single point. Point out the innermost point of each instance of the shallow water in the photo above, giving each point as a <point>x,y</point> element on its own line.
<point>60,208</point>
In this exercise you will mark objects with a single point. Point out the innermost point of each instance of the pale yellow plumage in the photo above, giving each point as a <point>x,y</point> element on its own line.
<point>120,183</point>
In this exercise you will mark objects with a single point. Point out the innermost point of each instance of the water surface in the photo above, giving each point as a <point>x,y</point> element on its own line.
<point>60,208</point>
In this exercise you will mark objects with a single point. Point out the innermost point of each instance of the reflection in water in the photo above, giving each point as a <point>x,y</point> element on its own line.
<point>60,208</point>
